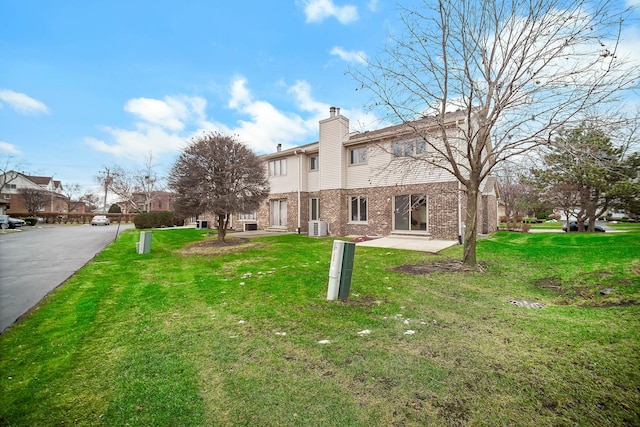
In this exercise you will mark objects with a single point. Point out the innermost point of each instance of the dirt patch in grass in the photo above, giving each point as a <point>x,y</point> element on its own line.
<point>449,266</point>
<point>365,302</point>
<point>214,247</point>
<point>587,296</point>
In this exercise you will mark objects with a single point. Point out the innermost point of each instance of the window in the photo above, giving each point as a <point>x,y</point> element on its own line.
<point>403,148</point>
<point>278,212</point>
<point>314,209</point>
<point>278,167</point>
<point>7,196</point>
<point>409,148</point>
<point>251,216</point>
<point>410,212</point>
<point>358,155</point>
<point>358,209</point>
<point>11,186</point>
<point>313,163</point>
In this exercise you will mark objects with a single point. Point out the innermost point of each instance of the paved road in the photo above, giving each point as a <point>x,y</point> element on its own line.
<point>35,261</point>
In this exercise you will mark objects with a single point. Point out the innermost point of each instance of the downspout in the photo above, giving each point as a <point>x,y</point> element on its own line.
<point>297,153</point>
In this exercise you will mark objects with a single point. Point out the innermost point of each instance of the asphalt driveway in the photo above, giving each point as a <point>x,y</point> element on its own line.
<point>36,260</point>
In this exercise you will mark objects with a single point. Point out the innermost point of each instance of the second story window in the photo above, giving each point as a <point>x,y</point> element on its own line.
<point>278,167</point>
<point>409,148</point>
<point>313,162</point>
<point>401,149</point>
<point>358,155</point>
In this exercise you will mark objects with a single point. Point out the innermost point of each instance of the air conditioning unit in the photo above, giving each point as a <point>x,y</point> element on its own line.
<point>318,228</point>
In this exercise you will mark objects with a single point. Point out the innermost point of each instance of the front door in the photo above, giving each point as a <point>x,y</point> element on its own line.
<point>279,213</point>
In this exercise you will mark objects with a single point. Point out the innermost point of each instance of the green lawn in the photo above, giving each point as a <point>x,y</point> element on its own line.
<point>201,337</point>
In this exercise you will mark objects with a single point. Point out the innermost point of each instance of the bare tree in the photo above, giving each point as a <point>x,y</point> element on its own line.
<point>518,70</point>
<point>135,188</point>
<point>124,186</point>
<point>34,199</point>
<point>71,193</point>
<point>146,183</point>
<point>91,201</point>
<point>516,197</point>
<point>567,198</point>
<point>218,174</point>
<point>8,171</point>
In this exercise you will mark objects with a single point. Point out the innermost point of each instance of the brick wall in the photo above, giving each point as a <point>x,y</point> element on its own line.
<point>442,210</point>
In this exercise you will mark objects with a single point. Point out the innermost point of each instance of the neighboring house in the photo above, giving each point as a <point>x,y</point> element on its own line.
<point>10,193</point>
<point>352,184</point>
<point>79,207</point>
<point>154,201</point>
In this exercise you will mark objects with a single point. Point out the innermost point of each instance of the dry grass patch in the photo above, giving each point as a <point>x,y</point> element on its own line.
<point>213,247</point>
<point>448,266</point>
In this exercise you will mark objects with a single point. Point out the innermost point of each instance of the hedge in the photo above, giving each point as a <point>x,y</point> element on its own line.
<point>155,220</point>
<point>70,218</point>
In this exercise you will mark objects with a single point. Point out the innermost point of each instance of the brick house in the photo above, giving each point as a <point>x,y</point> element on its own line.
<point>364,184</point>
<point>13,182</point>
<point>153,201</point>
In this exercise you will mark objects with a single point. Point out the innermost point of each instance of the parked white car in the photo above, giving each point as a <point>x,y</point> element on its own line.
<point>100,220</point>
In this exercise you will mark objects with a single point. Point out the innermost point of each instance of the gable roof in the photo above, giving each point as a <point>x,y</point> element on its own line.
<point>40,180</point>
<point>403,129</point>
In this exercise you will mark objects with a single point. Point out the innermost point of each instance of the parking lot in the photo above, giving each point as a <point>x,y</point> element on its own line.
<point>35,260</point>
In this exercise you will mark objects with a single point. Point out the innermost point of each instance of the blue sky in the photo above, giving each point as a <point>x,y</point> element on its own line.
<point>89,84</point>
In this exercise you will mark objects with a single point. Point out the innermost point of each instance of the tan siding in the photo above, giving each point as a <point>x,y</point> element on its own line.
<point>313,180</point>
<point>331,152</point>
<point>288,182</point>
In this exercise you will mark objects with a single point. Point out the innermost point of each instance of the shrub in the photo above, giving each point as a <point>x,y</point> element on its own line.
<point>154,220</point>
<point>531,220</point>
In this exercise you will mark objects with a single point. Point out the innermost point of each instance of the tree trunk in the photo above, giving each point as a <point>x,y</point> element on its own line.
<point>471,229</point>
<point>591,208</point>
<point>222,230</point>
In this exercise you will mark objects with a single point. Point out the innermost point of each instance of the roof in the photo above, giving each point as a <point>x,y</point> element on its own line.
<point>406,128</point>
<point>388,132</point>
<point>307,148</point>
<point>40,180</point>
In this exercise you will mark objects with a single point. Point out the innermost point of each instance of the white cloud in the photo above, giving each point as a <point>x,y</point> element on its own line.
<point>352,56</point>
<point>139,142</point>
<point>267,126</point>
<point>373,5</point>
<point>319,10</point>
<point>170,113</point>
<point>166,125</point>
<point>22,103</point>
<point>159,126</point>
<point>5,147</point>
<point>301,91</point>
